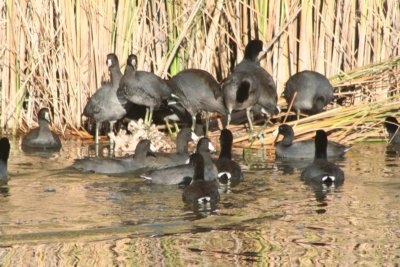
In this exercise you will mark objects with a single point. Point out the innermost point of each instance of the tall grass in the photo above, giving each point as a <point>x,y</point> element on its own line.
<point>53,53</point>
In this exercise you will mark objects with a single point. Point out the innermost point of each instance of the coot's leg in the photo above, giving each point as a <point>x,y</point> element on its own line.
<point>96,133</point>
<point>207,122</point>
<point>228,121</point>
<point>193,121</point>
<point>111,139</point>
<point>249,118</point>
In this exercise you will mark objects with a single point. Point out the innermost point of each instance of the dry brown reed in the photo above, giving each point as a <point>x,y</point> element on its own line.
<point>53,53</point>
<point>367,96</point>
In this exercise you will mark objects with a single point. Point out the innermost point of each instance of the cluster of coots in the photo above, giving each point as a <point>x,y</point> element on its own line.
<point>249,87</point>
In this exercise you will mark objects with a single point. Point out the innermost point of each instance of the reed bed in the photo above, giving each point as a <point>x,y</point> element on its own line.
<point>367,96</point>
<point>53,52</point>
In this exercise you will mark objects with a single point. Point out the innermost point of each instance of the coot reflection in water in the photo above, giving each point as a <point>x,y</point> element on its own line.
<point>271,214</point>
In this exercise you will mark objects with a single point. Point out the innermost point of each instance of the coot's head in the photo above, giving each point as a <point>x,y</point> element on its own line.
<point>391,125</point>
<point>144,146</point>
<point>284,129</point>
<point>253,48</point>
<point>226,138</point>
<point>112,60</point>
<point>44,114</point>
<point>132,61</point>
<point>187,134</point>
<point>321,144</point>
<point>204,144</point>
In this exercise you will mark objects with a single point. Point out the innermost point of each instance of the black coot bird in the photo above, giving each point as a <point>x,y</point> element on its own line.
<point>197,90</point>
<point>200,191</point>
<point>250,85</point>
<point>229,172</point>
<point>117,165</point>
<point>392,128</point>
<point>184,173</point>
<point>41,138</point>
<point>321,170</point>
<point>4,154</point>
<point>143,88</point>
<point>313,92</point>
<point>164,160</point>
<point>302,149</point>
<point>105,105</point>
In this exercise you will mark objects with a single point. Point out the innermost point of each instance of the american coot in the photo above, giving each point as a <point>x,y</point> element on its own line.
<point>302,149</point>
<point>249,84</point>
<point>197,90</point>
<point>117,165</point>
<point>180,174</point>
<point>229,172</point>
<point>143,88</point>
<point>4,154</point>
<point>165,160</point>
<point>105,105</point>
<point>313,92</point>
<point>200,191</point>
<point>42,137</point>
<point>392,128</point>
<point>321,170</point>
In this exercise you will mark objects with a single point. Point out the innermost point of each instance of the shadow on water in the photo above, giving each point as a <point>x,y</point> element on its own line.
<point>271,216</point>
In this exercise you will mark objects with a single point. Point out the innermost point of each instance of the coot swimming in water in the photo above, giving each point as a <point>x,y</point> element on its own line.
<point>4,154</point>
<point>321,170</point>
<point>41,138</point>
<point>200,191</point>
<point>392,128</point>
<point>302,149</point>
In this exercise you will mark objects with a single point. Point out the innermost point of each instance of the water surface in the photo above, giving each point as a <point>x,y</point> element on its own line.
<point>51,215</point>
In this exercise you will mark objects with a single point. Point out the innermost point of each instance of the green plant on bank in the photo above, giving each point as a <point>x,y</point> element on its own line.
<point>53,52</point>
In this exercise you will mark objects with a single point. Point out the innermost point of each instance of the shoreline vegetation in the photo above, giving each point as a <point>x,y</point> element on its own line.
<point>53,54</point>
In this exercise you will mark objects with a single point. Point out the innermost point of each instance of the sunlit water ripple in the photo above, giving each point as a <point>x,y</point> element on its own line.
<point>52,215</point>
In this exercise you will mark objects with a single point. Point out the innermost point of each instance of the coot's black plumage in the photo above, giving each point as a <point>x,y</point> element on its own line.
<point>164,160</point>
<point>321,170</point>
<point>393,130</point>
<point>42,138</point>
<point>313,92</point>
<point>105,105</point>
<point>178,174</point>
<point>4,154</point>
<point>302,149</point>
<point>117,165</point>
<point>143,88</point>
<point>229,171</point>
<point>197,90</point>
<point>200,191</point>
<point>249,84</point>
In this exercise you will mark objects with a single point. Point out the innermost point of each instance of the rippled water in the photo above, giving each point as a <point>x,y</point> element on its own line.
<point>51,215</point>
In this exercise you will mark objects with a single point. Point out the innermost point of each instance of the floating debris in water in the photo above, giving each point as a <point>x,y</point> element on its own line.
<point>127,142</point>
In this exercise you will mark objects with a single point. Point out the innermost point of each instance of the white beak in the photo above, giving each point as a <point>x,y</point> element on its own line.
<point>264,111</point>
<point>211,147</point>
<point>47,116</point>
<point>276,132</point>
<point>153,148</point>
<point>109,63</point>
<point>194,137</point>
